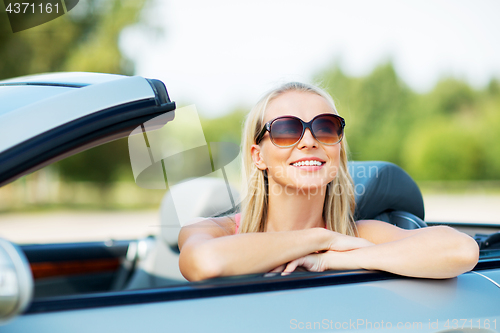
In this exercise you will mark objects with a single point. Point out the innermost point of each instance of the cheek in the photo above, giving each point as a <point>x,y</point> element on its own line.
<point>275,159</point>
<point>274,156</point>
<point>335,154</point>
<point>335,160</point>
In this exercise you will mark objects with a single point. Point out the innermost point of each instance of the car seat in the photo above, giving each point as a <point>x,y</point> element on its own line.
<point>157,264</point>
<point>387,193</point>
<point>383,191</point>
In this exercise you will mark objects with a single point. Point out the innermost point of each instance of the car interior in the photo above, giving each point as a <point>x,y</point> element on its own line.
<point>383,191</point>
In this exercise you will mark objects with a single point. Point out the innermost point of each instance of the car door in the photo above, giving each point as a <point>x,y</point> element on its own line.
<point>361,301</point>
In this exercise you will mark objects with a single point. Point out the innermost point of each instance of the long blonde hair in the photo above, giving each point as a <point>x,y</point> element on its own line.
<point>338,209</point>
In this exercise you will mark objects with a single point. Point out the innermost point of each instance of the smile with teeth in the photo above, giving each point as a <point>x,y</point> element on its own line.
<point>307,163</point>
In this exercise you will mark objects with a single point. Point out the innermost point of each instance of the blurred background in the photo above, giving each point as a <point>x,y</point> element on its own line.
<point>417,81</point>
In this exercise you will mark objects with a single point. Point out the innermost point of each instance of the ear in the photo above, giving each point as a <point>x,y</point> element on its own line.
<point>256,152</point>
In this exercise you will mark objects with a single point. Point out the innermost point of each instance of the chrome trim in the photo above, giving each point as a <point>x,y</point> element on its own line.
<point>491,280</point>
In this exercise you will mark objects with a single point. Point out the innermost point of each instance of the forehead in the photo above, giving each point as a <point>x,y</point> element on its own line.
<point>305,105</point>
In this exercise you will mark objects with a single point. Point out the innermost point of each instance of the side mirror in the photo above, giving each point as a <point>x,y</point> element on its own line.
<point>16,281</point>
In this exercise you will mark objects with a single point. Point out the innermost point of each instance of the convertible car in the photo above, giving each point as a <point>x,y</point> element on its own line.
<point>131,285</point>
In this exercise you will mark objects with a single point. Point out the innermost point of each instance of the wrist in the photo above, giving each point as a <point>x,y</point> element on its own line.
<point>323,239</point>
<point>362,259</point>
<point>341,260</point>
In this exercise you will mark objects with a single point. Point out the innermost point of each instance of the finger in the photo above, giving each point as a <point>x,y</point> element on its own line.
<point>278,269</point>
<point>292,265</point>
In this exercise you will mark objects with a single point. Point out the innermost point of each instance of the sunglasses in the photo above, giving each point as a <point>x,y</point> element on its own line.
<point>286,131</point>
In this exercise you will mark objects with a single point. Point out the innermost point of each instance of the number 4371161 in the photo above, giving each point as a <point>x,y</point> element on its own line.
<point>26,8</point>
<point>470,323</point>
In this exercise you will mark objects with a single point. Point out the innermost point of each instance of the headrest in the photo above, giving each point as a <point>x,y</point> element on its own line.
<point>198,197</point>
<point>382,186</point>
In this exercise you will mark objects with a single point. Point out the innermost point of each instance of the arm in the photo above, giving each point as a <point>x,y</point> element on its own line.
<point>434,252</point>
<point>209,248</point>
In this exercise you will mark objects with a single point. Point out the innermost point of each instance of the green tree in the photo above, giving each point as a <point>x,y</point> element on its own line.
<point>488,131</point>
<point>102,164</point>
<point>450,133</point>
<point>84,39</point>
<point>226,128</point>
<point>445,142</point>
<point>451,96</point>
<point>377,109</point>
<point>446,150</point>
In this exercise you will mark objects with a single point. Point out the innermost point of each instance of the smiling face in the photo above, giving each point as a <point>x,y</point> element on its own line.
<point>308,165</point>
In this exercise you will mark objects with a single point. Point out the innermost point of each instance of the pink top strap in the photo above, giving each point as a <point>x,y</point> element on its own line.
<point>237,219</point>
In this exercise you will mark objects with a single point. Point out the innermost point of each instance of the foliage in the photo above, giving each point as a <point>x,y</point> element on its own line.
<point>226,128</point>
<point>445,151</point>
<point>377,111</point>
<point>102,164</point>
<point>85,39</point>
<point>450,133</point>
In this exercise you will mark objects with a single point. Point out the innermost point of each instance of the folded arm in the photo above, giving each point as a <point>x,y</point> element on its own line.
<point>210,249</point>
<point>434,252</point>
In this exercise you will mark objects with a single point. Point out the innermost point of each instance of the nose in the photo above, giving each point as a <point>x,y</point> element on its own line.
<point>308,140</point>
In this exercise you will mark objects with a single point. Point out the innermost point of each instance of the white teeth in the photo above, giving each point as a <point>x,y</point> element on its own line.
<point>307,163</point>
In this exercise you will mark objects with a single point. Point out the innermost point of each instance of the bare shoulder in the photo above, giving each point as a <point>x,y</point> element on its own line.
<point>207,228</point>
<point>379,232</point>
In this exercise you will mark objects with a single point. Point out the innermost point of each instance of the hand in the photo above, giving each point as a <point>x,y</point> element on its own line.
<point>281,268</point>
<point>319,262</point>
<point>311,262</point>
<point>278,269</point>
<point>341,242</point>
<point>316,262</point>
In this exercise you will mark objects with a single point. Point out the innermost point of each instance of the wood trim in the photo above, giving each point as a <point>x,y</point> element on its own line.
<point>76,267</point>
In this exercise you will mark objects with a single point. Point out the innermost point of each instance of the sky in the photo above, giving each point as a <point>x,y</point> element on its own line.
<point>220,55</point>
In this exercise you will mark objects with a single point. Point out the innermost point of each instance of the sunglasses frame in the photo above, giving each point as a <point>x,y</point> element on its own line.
<point>267,128</point>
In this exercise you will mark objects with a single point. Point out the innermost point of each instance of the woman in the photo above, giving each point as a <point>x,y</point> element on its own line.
<point>299,205</point>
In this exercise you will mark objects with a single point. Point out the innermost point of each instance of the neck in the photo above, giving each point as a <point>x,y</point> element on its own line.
<point>294,209</point>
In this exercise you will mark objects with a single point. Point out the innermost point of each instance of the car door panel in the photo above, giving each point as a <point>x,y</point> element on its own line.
<point>74,268</point>
<point>418,303</point>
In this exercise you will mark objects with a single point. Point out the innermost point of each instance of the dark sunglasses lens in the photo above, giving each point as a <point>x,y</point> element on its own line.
<point>327,129</point>
<point>286,131</point>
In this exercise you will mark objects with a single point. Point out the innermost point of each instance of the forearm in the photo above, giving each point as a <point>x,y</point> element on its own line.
<point>248,253</point>
<point>435,252</point>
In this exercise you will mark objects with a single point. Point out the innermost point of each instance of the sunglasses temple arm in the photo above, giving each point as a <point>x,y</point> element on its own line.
<point>261,135</point>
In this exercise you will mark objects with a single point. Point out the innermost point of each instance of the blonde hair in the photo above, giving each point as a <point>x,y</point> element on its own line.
<point>338,209</point>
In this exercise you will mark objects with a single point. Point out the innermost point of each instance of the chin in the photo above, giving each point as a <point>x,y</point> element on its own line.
<point>311,186</point>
